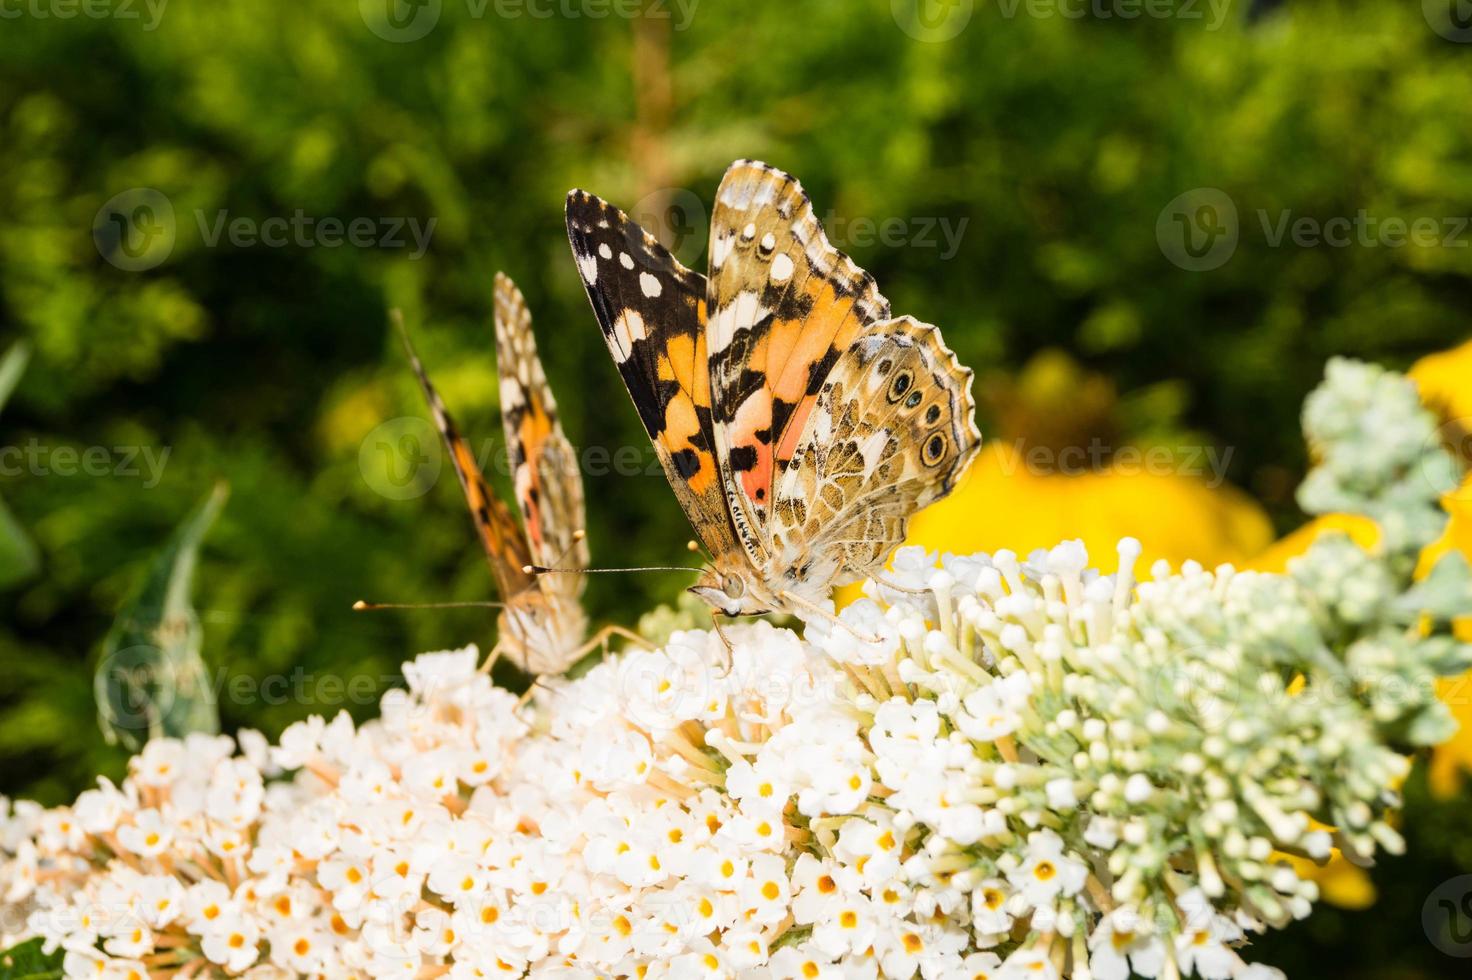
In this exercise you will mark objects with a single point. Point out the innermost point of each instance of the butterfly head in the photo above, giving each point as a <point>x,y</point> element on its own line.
<point>730,593</point>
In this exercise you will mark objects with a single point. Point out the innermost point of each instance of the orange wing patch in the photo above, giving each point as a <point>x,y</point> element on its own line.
<point>785,303</point>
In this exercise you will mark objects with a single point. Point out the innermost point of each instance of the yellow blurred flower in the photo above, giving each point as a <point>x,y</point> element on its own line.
<point>1445,381</point>
<point>1047,476</point>
<point>1007,502</point>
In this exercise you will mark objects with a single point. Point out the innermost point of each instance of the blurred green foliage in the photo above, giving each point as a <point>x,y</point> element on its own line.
<point>1059,141</point>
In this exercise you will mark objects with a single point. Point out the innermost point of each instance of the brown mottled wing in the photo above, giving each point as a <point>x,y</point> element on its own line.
<point>893,429</point>
<point>652,313</point>
<point>544,465</point>
<point>505,546</point>
<point>784,305</point>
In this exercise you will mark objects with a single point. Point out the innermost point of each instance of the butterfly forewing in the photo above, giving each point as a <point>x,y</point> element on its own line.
<point>651,310</point>
<point>544,466</point>
<point>505,546</point>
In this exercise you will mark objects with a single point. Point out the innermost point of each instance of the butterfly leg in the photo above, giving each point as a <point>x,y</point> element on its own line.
<point>601,638</point>
<point>715,621</point>
<point>881,580</point>
<point>818,610</point>
<point>495,655</point>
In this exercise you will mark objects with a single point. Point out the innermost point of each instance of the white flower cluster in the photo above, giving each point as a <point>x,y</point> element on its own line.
<point>990,767</point>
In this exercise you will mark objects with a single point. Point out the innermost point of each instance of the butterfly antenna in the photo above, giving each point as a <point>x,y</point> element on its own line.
<point>694,547</point>
<point>362,606</point>
<point>544,570</point>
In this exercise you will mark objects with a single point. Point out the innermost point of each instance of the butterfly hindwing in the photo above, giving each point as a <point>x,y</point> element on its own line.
<point>892,430</point>
<point>651,310</point>
<point>784,305</point>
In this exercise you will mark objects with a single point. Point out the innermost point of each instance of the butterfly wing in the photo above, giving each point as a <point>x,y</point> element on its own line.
<point>652,313</point>
<point>892,429</point>
<point>784,306</point>
<point>544,465</point>
<point>505,546</point>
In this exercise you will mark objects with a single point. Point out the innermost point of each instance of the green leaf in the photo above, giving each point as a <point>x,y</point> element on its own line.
<point>151,680</point>
<point>12,366</point>
<point>26,962</point>
<point>19,558</point>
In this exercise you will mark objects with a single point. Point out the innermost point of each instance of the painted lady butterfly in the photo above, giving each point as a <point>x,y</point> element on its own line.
<point>542,623</point>
<point>799,424</point>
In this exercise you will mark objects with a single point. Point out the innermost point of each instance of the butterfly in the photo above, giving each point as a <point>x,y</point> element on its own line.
<point>542,624</point>
<point>799,423</point>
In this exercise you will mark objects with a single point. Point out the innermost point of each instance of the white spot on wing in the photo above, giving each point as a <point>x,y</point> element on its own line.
<point>871,449</point>
<point>650,285</point>
<point>628,328</point>
<point>749,232</point>
<point>625,261</point>
<point>721,248</point>
<point>605,251</point>
<point>769,241</point>
<point>588,266</point>
<point>781,268</point>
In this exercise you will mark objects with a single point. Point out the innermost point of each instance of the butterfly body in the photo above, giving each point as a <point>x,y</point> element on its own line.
<point>542,625</point>
<point>800,424</point>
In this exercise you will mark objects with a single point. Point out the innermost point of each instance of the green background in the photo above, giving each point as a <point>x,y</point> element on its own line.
<point>1060,141</point>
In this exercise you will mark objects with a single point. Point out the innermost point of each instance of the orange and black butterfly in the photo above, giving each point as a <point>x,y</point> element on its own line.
<point>542,624</point>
